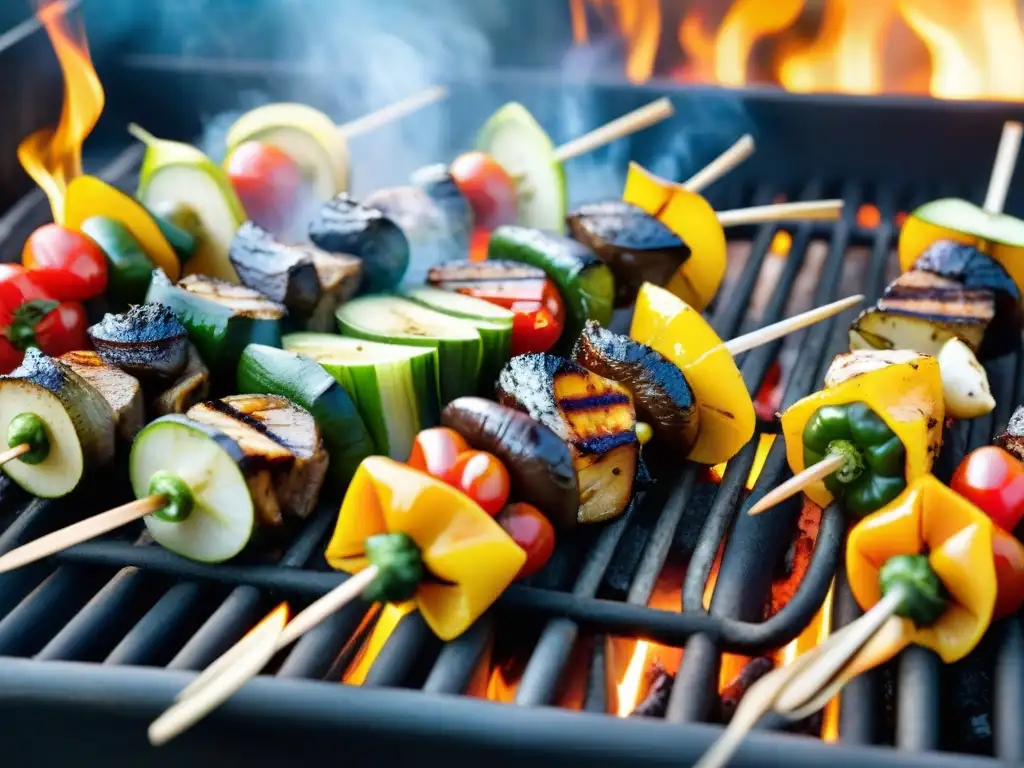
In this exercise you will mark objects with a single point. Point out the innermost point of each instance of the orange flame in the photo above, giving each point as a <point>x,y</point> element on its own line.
<point>952,49</point>
<point>53,157</point>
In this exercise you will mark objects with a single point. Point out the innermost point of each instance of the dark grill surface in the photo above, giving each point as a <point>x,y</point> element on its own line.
<point>95,643</point>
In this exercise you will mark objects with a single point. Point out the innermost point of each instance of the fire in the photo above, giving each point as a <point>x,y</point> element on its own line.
<point>951,49</point>
<point>390,615</point>
<point>53,157</point>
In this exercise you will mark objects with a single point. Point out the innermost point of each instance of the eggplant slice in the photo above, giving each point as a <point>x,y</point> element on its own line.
<point>1012,438</point>
<point>192,386</point>
<point>283,273</point>
<point>122,391</point>
<point>636,246</point>
<point>662,396</point>
<point>593,415</point>
<point>147,341</point>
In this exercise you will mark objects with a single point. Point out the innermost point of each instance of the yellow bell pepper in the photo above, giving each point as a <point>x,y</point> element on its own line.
<point>88,196</point>
<point>930,519</point>
<point>908,398</point>
<point>672,327</point>
<point>692,219</point>
<point>470,557</point>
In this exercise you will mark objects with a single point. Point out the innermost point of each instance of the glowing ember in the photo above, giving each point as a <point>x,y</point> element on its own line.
<point>781,243</point>
<point>952,49</point>
<point>764,444</point>
<point>53,157</point>
<point>869,217</point>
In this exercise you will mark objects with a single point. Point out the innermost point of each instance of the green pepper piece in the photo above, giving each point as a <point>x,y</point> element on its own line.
<point>28,429</point>
<point>874,457</point>
<point>400,567</point>
<point>922,599</point>
<point>129,269</point>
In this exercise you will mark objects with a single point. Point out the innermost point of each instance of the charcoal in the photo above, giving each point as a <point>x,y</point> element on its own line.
<point>734,692</point>
<point>655,703</point>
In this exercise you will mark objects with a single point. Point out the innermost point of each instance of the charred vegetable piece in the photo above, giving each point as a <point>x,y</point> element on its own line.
<point>661,394</point>
<point>307,384</point>
<point>121,390</point>
<point>221,318</point>
<point>539,463</point>
<point>147,341</point>
<point>594,416</point>
<point>944,303</point>
<point>339,275</point>
<point>584,281</point>
<point>1012,438</point>
<point>344,226</point>
<point>534,301</point>
<point>636,246</point>
<point>221,519</point>
<point>975,270</point>
<point>65,421</point>
<point>192,386</point>
<point>285,462</point>
<point>283,273</point>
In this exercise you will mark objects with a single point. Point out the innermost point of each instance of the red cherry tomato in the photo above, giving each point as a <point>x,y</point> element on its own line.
<point>268,183</point>
<point>29,317</point>
<point>533,532</point>
<point>481,476</point>
<point>436,450</point>
<point>64,263</point>
<point>488,188</point>
<point>1009,561</point>
<point>537,305</point>
<point>993,480</point>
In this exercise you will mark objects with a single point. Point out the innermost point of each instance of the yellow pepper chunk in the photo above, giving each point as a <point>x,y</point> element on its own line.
<point>88,196</point>
<point>908,398</point>
<point>472,559</point>
<point>929,518</point>
<point>692,219</point>
<point>672,327</point>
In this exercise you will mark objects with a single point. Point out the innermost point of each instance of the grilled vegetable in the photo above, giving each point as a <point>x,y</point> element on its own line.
<point>993,479</point>
<point>435,450</point>
<point>393,320</point>
<point>537,307</point>
<point>975,270</point>
<point>65,421</point>
<point>965,388</point>
<point>493,323</point>
<point>394,387</point>
<point>121,390</point>
<point>344,226</point>
<point>339,276</point>
<point>64,263</point>
<point>443,188</point>
<point>221,318</point>
<point>481,476</point>
<point>488,188</point>
<point>180,225</point>
<point>304,382</point>
<point>636,246</point>
<point>282,273</point>
<point>209,464</point>
<point>30,317</point>
<point>594,416</point>
<point>540,464</point>
<point>129,269</point>
<point>585,282</point>
<point>946,304</point>
<point>268,183</point>
<point>191,386</point>
<point>661,394</point>
<point>147,341</point>
<point>1012,438</point>
<point>850,364</point>
<point>532,532</point>
<point>285,462</point>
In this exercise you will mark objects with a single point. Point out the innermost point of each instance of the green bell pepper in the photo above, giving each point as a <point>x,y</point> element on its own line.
<point>873,472</point>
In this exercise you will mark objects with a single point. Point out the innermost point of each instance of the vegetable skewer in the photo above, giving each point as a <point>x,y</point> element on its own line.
<point>631,122</point>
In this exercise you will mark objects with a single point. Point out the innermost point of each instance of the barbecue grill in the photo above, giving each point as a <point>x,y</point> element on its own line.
<point>98,640</point>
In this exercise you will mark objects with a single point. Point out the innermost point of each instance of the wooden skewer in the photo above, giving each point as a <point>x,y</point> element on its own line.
<point>392,112</point>
<point>721,165</point>
<point>797,483</point>
<point>629,123</point>
<point>241,663</point>
<point>777,330</point>
<point>85,530</point>
<point>816,210</point>
<point>13,453</point>
<point>1002,169</point>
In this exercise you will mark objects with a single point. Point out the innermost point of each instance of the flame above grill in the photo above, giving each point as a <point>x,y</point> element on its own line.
<point>950,49</point>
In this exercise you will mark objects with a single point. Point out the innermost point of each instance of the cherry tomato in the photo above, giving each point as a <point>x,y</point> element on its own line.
<point>488,188</point>
<point>532,532</point>
<point>993,480</point>
<point>268,183</point>
<point>29,317</point>
<point>66,264</point>
<point>436,450</point>
<point>537,305</point>
<point>481,476</point>
<point>1009,561</point>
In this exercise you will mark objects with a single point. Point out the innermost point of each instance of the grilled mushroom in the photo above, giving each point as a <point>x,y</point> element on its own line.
<point>147,341</point>
<point>121,390</point>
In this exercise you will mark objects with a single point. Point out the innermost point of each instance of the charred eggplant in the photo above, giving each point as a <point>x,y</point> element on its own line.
<point>637,247</point>
<point>661,394</point>
<point>122,391</point>
<point>539,463</point>
<point>283,273</point>
<point>148,341</point>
